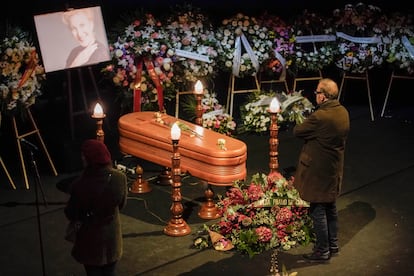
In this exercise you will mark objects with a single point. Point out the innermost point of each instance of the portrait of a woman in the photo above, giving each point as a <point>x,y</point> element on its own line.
<point>82,26</point>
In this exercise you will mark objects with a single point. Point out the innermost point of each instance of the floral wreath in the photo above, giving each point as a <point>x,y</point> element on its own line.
<point>401,46</point>
<point>193,38</point>
<point>214,116</point>
<point>21,73</point>
<point>266,214</point>
<point>244,45</point>
<point>142,64</point>
<point>255,113</point>
<point>361,30</point>
<point>314,43</point>
<point>283,53</point>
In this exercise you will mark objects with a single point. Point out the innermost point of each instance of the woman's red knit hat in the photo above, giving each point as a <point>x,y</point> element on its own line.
<point>96,152</point>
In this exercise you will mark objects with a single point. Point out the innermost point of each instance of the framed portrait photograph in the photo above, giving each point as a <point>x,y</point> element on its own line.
<point>72,38</point>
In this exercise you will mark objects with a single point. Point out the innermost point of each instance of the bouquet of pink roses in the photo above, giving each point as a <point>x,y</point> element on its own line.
<point>266,213</point>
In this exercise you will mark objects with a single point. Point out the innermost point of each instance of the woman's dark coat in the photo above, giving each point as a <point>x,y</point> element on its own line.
<point>103,192</point>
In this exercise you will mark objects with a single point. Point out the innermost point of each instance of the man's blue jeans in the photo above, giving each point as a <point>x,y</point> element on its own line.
<point>325,226</point>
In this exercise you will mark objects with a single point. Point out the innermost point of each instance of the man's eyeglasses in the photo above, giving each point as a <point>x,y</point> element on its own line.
<point>317,92</point>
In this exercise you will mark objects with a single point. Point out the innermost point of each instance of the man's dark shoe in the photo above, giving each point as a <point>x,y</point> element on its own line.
<point>334,251</point>
<point>317,256</point>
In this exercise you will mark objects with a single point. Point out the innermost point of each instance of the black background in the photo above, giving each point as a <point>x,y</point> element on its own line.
<point>16,12</point>
<point>51,109</point>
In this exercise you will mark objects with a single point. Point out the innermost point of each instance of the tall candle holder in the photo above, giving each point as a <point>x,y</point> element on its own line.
<point>273,141</point>
<point>198,92</point>
<point>99,115</point>
<point>177,226</point>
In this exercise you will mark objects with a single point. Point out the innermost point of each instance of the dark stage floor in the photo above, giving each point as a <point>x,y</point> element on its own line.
<point>375,211</point>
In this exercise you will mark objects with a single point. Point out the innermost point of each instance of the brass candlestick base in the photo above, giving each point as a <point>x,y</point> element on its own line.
<point>208,209</point>
<point>100,135</point>
<point>165,178</point>
<point>177,228</point>
<point>140,185</point>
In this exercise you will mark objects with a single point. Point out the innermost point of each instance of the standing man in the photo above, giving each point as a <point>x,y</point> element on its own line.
<point>319,172</point>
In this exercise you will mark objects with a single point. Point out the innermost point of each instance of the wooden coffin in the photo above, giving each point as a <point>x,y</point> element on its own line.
<point>148,136</point>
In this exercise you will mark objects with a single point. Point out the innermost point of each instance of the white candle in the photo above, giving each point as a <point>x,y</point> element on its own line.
<point>274,105</point>
<point>98,111</point>
<point>198,87</point>
<point>175,132</point>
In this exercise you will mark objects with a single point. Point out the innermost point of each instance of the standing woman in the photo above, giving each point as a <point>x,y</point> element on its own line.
<point>82,26</point>
<point>96,198</point>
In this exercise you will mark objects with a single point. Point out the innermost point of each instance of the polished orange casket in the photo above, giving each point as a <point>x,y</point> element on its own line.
<point>142,136</point>
<point>146,136</point>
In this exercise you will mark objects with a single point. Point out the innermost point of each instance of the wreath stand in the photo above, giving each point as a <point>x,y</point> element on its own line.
<point>231,91</point>
<point>177,100</point>
<point>309,78</point>
<point>354,76</point>
<point>20,136</point>
<point>312,77</point>
<point>393,76</point>
<point>280,81</point>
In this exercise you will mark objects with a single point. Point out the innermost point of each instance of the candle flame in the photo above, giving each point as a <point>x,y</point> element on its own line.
<point>98,111</point>
<point>175,131</point>
<point>274,105</point>
<point>198,87</point>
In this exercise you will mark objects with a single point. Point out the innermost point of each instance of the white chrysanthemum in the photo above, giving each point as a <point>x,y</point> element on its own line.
<point>254,44</point>
<point>191,32</point>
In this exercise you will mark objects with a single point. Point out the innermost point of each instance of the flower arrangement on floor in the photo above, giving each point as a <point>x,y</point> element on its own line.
<point>193,38</point>
<point>255,114</point>
<point>214,116</point>
<point>244,45</point>
<point>401,46</point>
<point>142,61</point>
<point>21,73</point>
<point>315,44</point>
<point>266,213</point>
<point>283,53</point>
<point>360,30</point>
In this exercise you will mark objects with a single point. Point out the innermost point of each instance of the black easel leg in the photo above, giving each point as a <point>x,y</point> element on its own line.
<point>39,225</point>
